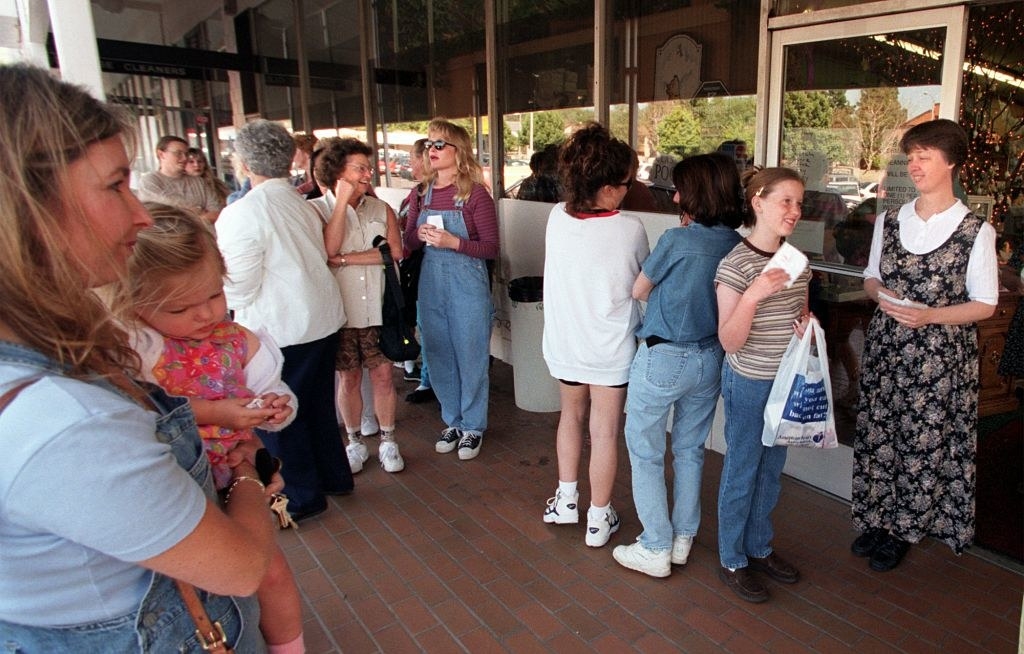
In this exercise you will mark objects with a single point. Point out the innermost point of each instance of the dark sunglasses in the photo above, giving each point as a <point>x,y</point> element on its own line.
<point>439,144</point>
<point>628,183</point>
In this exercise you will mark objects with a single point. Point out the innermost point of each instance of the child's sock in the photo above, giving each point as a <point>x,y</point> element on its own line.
<point>297,646</point>
<point>387,434</point>
<point>355,436</point>
<point>568,488</point>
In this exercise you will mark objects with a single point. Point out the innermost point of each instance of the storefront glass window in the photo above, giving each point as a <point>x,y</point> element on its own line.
<point>846,103</point>
<point>691,69</point>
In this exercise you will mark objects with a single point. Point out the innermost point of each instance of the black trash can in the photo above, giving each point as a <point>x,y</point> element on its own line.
<point>535,389</point>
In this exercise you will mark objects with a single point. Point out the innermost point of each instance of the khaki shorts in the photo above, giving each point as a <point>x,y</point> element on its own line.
<point>359,348</point>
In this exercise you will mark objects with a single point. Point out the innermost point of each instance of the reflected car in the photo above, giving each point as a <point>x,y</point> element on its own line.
<point>850,192</point>
<point>868,190</point>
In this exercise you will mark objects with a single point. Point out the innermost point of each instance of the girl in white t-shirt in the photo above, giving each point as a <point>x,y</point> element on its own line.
<point>592,256</point>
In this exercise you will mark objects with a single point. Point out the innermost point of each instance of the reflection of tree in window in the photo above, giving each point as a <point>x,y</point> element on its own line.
<point>810,119</point>
<point>878,117</point>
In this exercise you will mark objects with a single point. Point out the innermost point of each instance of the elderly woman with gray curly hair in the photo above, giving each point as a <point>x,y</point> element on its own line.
<point>278,280</point>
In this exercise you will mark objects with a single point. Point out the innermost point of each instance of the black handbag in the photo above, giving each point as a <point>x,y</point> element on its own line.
<point>397,336</point>
<point>409,276</point>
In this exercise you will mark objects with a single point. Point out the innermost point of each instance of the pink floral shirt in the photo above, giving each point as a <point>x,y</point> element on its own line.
<point>212,369</point>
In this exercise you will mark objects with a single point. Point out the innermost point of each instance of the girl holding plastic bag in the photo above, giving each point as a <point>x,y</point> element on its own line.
<point>799,412</point>
<point>758,311</point>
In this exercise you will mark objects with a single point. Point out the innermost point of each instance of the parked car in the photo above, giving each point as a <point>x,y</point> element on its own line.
<point>850,192</point>
<point>868,190</point>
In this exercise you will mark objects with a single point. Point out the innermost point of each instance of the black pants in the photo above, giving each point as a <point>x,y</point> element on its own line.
<point>311,448</point>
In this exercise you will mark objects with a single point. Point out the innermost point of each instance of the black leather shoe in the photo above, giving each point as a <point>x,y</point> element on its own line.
<point>889,554</point>
<point>775,567</point>
<point>421,395</point>
<point>868,542</point>
<point>304,513</point>
<point>744,584</point>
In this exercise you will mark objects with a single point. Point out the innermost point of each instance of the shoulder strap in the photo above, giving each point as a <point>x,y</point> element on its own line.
<point>210,634</point>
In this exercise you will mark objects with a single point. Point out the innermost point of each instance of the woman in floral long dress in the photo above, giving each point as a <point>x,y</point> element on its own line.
<point>913,471</point>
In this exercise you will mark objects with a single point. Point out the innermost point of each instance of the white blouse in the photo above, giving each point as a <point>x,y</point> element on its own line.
<point>922,236</point>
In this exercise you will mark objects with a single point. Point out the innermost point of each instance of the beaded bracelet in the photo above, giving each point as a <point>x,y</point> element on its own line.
<point>238,480</point>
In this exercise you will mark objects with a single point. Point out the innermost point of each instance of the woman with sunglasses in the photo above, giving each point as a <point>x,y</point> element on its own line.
<point>593,255</point>
<point>456,219</point>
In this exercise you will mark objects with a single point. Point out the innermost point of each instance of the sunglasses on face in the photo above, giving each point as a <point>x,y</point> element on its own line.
<point>439,144</point>
<point>628,183</point>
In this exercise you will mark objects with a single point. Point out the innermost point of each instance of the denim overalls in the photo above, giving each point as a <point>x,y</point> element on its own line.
<point>455,314</point>
<point>161,624</point>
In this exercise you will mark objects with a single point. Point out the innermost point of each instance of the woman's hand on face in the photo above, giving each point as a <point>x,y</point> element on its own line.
<point>343,190</point>
<point>767,283</point>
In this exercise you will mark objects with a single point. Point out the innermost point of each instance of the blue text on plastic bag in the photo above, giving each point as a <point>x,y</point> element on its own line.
<point>807,402</point>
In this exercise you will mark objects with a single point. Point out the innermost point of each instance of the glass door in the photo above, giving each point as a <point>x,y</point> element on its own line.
<point>840,97</point>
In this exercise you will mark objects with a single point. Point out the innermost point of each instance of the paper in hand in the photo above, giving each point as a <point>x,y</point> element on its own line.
<point>790,259</point>
<point>902,301</point>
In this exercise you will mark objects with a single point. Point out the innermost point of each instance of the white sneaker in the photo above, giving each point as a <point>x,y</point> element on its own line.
<point>369,426</point>
<point>357,453</point>
<point>562,509</point>
<point>681,549</point>
<point>639,558</point>
<point>390,459</point>
<point>601,526</point>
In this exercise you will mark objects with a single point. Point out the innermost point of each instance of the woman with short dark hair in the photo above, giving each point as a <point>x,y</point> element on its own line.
<point>678,363</point>
<point>933,271</point>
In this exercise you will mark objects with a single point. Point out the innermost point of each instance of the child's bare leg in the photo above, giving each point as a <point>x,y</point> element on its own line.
<point>280,606</point>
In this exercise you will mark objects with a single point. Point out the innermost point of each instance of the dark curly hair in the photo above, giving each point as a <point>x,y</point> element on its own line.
<point>332,158</point>
<point>590,159</point>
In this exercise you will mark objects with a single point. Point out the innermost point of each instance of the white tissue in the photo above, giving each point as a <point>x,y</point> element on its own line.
<point>790,259</point>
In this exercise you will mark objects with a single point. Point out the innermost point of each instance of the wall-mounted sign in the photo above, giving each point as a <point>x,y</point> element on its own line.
<point>677,68</point>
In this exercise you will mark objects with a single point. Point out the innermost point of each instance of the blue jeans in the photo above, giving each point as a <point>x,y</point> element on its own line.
<point>424,366</point>
<point>751,474</point>
<point>455,316</point>
<point>685,378</point>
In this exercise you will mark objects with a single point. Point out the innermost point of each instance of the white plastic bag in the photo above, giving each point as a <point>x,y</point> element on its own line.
<point>799,412</point>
